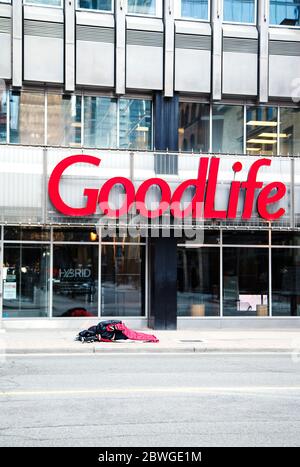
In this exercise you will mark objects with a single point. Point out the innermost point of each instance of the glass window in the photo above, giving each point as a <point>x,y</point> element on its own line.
<point>122,280</point>
<point>3,114</point>
<point>100,122</point>
<point>26,280</point>
<point>75,280</point>
<point>197,9</point>
<point>227,128</point>
<point>285,282</point>
<point>261,128</point>
<point>27,116</point>
<point>63,120</point>
<point>44,2</point>
<point>75,235</point>
<point>135,124</point>
<point>142,7</point>
<point>27,233</point>
<point>289,135</point>
<point>250,237</point>
<point>285,12</point>
<point>286,238</point>
<point>193,132</point>
<point>198,281</point>
<point>104,5</point>
<point>239,11</point>
<point>245,281</point>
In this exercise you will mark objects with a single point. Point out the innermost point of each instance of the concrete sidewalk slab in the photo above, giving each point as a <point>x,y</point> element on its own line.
<point>62,341</point>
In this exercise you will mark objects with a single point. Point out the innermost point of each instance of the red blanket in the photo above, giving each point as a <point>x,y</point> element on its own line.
<point>133,335</point>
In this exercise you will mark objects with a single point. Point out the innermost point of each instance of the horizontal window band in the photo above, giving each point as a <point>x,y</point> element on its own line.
<point>145,38</point>
<point>5,25</point>
<point>290,48</point>
<point>44,29</point>
<point>238,45</point>
<point>192,41</point>
<point>95,34</point>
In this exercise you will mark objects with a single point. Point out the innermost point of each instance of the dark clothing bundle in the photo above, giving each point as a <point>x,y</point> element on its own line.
<point>112,330</point>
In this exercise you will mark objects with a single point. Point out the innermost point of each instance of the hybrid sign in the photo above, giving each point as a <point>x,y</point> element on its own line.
<point>201,206</point>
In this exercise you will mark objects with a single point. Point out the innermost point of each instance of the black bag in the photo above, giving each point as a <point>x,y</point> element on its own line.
<point>91,334</point>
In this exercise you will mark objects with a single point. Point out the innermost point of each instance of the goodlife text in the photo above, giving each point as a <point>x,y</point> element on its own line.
<point>202,204</point>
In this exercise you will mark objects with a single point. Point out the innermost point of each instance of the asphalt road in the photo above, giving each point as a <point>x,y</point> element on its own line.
<point>150,400</point>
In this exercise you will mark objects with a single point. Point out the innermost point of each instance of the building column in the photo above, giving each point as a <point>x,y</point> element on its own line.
<point>17,43</point>
<point>263,29</point>
<point>162,249</point>
<point>163,283</point>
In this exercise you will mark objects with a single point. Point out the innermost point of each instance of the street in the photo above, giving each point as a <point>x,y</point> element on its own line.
<point>201,399</point>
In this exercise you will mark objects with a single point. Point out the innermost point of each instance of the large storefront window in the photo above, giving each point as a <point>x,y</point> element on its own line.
<point>26,280</point>
<point>197,9</point>
<point>3,114</point>
<point>100,122</point>
<point>285,282</point>
<point>285,12</point>
<point>103,5</point>
<point>193,132</point>
<point>27,117</point>
<point>289,135</point>
<point>122,280</point>
<point>63,120</point>
<point>142,7</point>
<point>135,124</point>
<point>261,129</point>
<point>239,11</point>
<point>245,281</point>
<point>198,281</point>
<point>75,280</point>
<point>227,128</point>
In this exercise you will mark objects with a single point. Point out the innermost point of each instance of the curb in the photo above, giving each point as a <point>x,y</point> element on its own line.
<point>96,350</point>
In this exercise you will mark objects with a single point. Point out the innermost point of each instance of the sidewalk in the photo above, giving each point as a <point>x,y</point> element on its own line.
<point>62,341</point>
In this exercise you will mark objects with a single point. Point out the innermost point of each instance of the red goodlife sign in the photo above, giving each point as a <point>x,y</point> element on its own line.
<point>205,191</point>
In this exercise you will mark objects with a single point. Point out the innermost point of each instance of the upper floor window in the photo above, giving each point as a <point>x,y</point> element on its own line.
<point>197,9</point>
<point>239,11</point>
<point>261,131</point>
<point>27,117</point>
<point>142,7</point>
<point>44,2</point>
<point>285,12</point>
<point>102,5</point>
<point>193,131</point>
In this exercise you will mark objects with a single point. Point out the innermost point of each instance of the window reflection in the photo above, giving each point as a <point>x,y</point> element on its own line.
<point>100,122</point>
<point>142,7</point>
<point>104,5</point>
<point>285,12</point>
<point>135,124</point>
<point>198,281</point>
<point>3,114</point>
<point>261,128</point>
<point>75,280</point>
<point>122,280</point>
<point>27,116</point>
<point>64,120</point>
<point>197,9</point>
<point>245,281</point>
<point>286,282</point>
<point>26,280</point>
<point>228,128</point>
<point>193,127</point>
<point>45,2</point>
<point>289,135</point>
<point>239,11</point>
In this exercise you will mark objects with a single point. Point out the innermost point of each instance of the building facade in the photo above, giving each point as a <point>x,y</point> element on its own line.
<point>106,104</point>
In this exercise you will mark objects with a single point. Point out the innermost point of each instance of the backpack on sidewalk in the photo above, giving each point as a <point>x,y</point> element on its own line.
<point>112,330</point>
